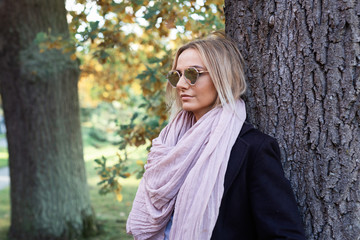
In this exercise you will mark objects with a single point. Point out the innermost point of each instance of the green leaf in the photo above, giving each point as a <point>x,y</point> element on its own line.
<point>154,60</point>
<point>142,75</point>
<point>134,116</point>
<point>142,105</point>
<point>104,54</point>
<point>41,37</point>
<point>102,182</point>
<point>94,25</point>
<point>152,11</point>
<point>98,162</point>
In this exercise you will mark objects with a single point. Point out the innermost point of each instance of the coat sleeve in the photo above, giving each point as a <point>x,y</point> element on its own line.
<point>272,201</point>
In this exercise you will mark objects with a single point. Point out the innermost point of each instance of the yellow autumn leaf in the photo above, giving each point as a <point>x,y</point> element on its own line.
<point>128,19</point>
<point>139,162</point>
<point>105,94</point>
<point>119,196</point>
<point>73,57</point>
<point>108,87</point>
<point>56,45</point>
<point>136,87</point>
<point>97,67</point>
<point>188,26</point>
<point>216,2</point>
<point>118,155</point>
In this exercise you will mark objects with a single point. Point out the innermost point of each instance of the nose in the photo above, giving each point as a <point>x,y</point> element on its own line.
<point>182,84</point>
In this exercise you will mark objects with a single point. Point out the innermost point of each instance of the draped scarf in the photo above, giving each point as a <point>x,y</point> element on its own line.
<point>184,175</point>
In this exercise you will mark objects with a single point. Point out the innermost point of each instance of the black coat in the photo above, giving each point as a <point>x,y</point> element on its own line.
<point>258,202</point>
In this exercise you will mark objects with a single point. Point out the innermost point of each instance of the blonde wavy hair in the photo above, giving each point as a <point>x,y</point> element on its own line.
<point>224,62</point>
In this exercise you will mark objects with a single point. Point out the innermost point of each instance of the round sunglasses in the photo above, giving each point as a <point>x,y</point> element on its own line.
<point>191,75</point>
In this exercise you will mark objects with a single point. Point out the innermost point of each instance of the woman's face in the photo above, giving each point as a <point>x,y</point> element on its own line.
<point>200,97</point>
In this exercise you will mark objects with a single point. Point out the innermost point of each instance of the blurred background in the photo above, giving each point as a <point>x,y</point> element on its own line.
<point>123,50</point>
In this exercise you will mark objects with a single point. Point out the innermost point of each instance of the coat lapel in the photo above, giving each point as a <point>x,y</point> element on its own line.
<point>237,156</point>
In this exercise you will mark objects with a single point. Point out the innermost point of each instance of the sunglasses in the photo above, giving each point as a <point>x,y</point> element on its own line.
<point>191,75</point>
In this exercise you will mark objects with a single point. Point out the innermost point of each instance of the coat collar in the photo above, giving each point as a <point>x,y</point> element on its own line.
<point>237,157</point>
<point>245,128</point>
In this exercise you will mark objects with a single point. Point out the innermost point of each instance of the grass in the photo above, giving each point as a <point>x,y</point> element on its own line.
<point>111,215</point>
<point>4,156</point>
<point>4,212</point>
<point>3,153</point>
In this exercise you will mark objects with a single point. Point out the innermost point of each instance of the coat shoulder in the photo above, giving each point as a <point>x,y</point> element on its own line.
<point>253,137</point>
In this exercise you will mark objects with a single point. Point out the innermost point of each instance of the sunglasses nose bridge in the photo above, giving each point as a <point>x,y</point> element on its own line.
<point>183,82</point>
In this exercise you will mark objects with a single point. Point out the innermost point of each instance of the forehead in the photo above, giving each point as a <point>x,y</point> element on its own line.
<point>189,58</point>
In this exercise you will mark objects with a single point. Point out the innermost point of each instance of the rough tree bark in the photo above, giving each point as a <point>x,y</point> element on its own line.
<point>303,69</point>
<point>49,195</point>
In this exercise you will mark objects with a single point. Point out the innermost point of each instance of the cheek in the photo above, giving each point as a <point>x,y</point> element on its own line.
<point>213,95</point>
<point>212,91</point>
<point>208,94</point>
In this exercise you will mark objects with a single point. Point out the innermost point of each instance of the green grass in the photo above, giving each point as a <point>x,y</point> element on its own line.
<point>111,215</point>
<point>4,156</point>
<point>4,212</point>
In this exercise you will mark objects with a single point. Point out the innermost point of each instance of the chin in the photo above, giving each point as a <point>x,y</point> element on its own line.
<point>188,107</point>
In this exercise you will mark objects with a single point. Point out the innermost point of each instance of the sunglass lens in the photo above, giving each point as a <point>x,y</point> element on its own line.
<point>173,78</point>
<point>191,74</point>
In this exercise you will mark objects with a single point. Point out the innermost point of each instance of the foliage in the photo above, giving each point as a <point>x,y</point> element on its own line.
<point>126,49</point>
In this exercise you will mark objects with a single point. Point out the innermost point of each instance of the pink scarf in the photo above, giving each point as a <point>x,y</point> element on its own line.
<point>185,174</point>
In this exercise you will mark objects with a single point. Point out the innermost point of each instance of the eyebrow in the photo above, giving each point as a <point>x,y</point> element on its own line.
<point>195,66</point>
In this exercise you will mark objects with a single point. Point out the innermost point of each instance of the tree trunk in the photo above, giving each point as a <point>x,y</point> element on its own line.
<point>303,69</point>
<point>49,194</point>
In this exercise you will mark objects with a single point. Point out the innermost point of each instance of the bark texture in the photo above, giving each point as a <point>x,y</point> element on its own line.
<point>303,69</point>
<point>49,195</point>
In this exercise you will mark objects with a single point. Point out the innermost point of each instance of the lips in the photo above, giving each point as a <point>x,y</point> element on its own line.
<point>185,97</point>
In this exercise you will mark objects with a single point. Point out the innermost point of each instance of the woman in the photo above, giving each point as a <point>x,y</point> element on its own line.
<point>210,175</point>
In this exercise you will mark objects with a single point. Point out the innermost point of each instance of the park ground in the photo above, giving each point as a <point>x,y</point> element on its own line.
<point>110,213</point>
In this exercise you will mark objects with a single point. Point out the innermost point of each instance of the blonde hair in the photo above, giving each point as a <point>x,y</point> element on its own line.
<point>224,62</point>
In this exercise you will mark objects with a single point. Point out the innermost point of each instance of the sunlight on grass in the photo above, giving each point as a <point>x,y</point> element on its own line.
<point>4,156</point>
<point>91,153</point>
